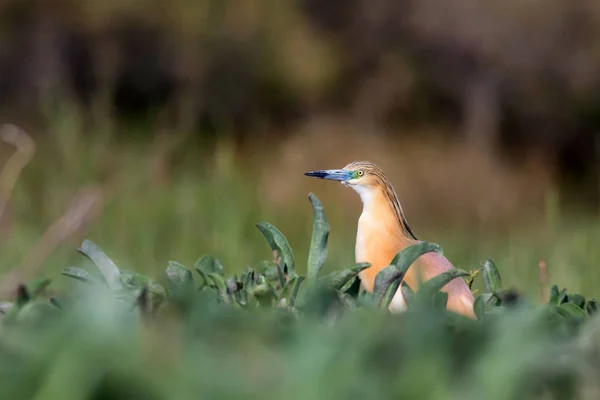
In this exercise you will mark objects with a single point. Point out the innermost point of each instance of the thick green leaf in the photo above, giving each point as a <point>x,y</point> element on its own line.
<point>220,284</point>
<point>384,279</point>
<point>209,264</point>
<point>349,284</point>
<point>491,276</point>
<point>107,267</point>
<point>436,283</point>
<point>399,266</point>
<point>279,243</point>
<point>337,279</point>
<point>570,310</point>
<point>554,295</point>
<point>578,300</point>
<point>271,274</point>
<point>352,287</point>
<point>80,274</point>
<point>408,294</point>
<point>390,293</point>
<point>134,280</point>
<point>206,281</point>
<point>178,275</point>
<point>320,234</point>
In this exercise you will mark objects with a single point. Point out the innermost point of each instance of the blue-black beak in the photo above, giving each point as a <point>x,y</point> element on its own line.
<point>331,174</point>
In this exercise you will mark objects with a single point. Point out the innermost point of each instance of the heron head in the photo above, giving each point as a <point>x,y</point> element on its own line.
<point>357,174</point>
<point>370,182</point>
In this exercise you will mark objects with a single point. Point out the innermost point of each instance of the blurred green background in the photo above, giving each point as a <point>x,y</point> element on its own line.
<point>197,119</point>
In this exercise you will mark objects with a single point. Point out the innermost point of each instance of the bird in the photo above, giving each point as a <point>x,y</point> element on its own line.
<point>383,231</point>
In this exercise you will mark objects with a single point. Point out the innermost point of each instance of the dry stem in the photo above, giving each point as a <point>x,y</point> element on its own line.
<point>9,175</point>
<point>86,205</point>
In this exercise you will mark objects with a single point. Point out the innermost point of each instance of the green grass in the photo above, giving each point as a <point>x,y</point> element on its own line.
<point>210,201</point>
<point>201,331</point>
<point>99,345</point>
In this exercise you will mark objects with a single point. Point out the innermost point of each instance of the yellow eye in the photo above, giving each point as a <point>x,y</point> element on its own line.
<point>360,173</point>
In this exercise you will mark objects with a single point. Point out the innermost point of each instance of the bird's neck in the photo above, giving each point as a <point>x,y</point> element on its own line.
<point>379,209</point>
<point>380,234</point>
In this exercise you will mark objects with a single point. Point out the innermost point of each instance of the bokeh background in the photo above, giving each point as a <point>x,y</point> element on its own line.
<point>184,123</point>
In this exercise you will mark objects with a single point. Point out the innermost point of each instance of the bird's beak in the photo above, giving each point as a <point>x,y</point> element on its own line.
<point>331,174</point>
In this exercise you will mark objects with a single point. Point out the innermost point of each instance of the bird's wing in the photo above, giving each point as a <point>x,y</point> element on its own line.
<point>460,298</point>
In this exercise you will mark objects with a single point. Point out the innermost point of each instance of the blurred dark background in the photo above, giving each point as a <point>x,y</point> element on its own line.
<point>514,75</point>
<point>485,114</point>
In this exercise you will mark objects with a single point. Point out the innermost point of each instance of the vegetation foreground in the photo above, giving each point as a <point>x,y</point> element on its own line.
<point>270,333</point>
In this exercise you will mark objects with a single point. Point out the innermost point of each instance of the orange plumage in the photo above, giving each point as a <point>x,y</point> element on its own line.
<point>383,231</point>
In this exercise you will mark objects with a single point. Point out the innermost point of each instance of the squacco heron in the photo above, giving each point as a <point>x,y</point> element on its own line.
<point>383,231</point>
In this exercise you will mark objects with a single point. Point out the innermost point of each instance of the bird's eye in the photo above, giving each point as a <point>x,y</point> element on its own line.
<point>360,173</point>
